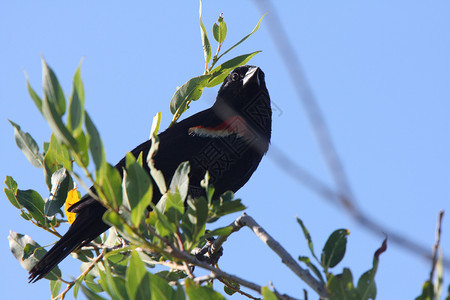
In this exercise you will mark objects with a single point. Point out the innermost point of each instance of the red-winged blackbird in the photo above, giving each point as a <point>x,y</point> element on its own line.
<point>229,140</point>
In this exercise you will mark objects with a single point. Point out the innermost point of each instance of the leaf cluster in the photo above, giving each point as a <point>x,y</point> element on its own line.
<point>340,286</point>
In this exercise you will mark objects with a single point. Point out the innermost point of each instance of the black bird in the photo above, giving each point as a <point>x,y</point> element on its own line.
<point>229,140</point>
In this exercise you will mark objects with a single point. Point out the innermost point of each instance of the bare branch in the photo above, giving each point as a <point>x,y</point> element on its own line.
<point>286,258</point>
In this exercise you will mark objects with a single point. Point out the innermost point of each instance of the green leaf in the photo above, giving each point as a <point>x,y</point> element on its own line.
<point>334,250</point>
<point>116,285</point>
<point>191,90</point>
<point>310,265</point>
<point>82,159</point>
<point>307,237</point>
<point>53,107</point>
<point>111,182</point>
<point>55,287</point>
<point>224,206</point>
<point>174,207</point>
<point>28,146</point>
<point>205,41</point>
<point>163,226</point>
<point>33,203</point>
<point>220,30</point>
<point>62,183</point>
<point>90,294</point>
<point>156,174</point>
<point>92,285</point>
<point>161,290</point>
<point>180,180</point>
<point>268,294</point>
<point>173,275</point>
<point>366,286</point>
<point>156,123</point>
<point>247,36</point>
<point>341,286</point>
<point>427,292</point>
<point>114,219</point>
<point>53,92</point>
<point>28,253</point>
<point>179,293</point>
<point>220,72</point>
<point>11,190</point>
<point>227,288</point>
<point>95,143</point>
<point>138,189</point>
<point>76,289</point>
<point>201,292</point>
<point>76,105</point>
<point>196,216</point>
<point>57,157</point>
<point>37,100</point>
<point>137,283</point>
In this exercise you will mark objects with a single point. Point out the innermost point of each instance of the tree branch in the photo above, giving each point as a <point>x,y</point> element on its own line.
<point>286,258</point>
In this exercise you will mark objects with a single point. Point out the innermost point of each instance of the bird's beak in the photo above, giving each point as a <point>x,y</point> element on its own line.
<point>252,74</point>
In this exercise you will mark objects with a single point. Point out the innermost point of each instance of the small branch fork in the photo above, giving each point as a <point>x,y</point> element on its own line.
<point>286,258</point>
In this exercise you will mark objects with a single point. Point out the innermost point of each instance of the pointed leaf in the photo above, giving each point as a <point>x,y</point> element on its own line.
<point>33,203</point>
<point>137,282</point>
<point>76,105</point>
<point>90,294</point>
<point>161,290</point>
<point>156,123</point>
<point>307,237</point>
<point>55,158</point>
<point>191,90</point>
<point>196,216</point>
<point>366,284</point>
<point>28,146</point>
<point>55,287</point>
<point>156,174</point>
<point>111,183</point>
<point>247,36</point>
<point>268,294</point>
<point>174,207</point>
<point>37,100</point>
<point>205,41</point>
<point>11,190</point>
<point>61,184</point>
<point>310,265</point>
<point>95,143</point>
<point>138,189</point>
<point>57,126</point>
<point>53,92</point>
<point>180,180</point>
<point>220,72</point>
<point>28,253</point>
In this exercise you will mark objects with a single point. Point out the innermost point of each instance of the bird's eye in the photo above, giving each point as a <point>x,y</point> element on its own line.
<point>235,76</point>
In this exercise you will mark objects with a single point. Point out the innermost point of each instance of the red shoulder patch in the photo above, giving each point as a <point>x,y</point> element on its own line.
<point>234,125</point>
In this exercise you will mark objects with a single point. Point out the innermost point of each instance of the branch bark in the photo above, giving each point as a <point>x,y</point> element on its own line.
<point>286,258</point>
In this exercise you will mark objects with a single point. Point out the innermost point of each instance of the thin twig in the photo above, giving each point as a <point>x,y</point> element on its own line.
<point>436,245</point>
<point>71,284</point>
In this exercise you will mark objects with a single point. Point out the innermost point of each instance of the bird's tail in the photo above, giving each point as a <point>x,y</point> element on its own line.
<point>86,227</point>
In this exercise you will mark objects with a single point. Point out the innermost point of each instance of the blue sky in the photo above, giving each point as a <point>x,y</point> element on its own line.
<point>379,70</point>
